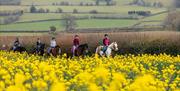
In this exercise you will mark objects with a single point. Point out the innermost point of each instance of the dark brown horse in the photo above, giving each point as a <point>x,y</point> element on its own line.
<point>55,51</point>
<point>82,50</point>
<point>40,51</point>
<point>19,49</point>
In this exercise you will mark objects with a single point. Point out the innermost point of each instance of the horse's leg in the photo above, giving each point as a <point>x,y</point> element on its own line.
<point>49,50</point>
<point>59,51</point>
<point>54,51</point>
<point>97,50</point>
<point>101,53</point>
<point>77,53</point>
<point>108,52</point>
<point>41,52</point>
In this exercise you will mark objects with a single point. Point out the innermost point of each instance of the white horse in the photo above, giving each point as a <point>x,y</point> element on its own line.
<point>112,47</point>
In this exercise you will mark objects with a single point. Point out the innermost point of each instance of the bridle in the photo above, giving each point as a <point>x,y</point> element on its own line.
<point>112,46</point>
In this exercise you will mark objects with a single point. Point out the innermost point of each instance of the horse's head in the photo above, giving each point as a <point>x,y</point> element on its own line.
<point>42,46</point>
<point>85,46</point>
<point>83,49</point>
<point>114,46</point>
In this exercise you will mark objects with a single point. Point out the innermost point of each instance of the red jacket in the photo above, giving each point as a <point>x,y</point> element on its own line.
<point>76,41</point>
<point>106,41</point>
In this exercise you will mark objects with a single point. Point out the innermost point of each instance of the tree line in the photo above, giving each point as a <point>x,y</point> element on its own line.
<point>33,9</point>
<point>95,3</point>
<point>10,2</point>
<point>10,16</point>
<point>142,13</point>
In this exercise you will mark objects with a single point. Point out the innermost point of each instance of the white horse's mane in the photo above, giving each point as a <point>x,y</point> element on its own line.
<point>111,45</point>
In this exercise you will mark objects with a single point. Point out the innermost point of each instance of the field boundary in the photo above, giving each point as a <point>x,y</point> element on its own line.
<point>91,30</point>
<point>84,18</point>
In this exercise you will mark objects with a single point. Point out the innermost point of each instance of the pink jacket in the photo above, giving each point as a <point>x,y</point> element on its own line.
<point>106,42</point>
<point>76,41</point>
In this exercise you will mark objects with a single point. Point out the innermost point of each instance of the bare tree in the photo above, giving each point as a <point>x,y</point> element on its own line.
<point>33,9</point>
<point>173,20</point>
<point>52,30</point>
<point>108,2</point>
<point>69,22</point>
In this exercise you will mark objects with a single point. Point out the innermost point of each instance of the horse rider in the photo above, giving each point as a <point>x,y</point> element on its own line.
<point>16,44</point>
<point>76,42</point>
<point>53,44</point>
<point>106,42</point>
<point>38,45</point>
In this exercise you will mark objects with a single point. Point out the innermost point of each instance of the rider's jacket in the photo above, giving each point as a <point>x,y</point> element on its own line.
<point>106,41</point>
<point>76,41</point>
<point>38,44</point>
<point>16,43</point>
<point>53,43</point>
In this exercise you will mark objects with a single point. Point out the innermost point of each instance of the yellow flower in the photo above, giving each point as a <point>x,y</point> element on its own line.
<point>15,88</point>
<point>93,87</point>
<point>22,72</point>
<point>58,87</point>
<point>19,79</point>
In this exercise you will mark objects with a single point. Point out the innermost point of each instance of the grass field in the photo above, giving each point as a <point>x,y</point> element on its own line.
<point>121,9</point>
<point>159,17</point>
<point>153,20</point>
<point>93,23</point>
<point>40,16</point>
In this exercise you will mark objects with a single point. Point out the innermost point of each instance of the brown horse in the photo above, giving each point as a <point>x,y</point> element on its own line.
<point>82,50</point>
<point>55,51</point>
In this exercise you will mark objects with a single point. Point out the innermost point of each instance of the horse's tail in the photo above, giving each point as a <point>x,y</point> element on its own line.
<point>97,50</point>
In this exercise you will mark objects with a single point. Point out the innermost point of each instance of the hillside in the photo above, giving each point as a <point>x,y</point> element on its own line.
<point>42,21</point>
<point>118,2</point>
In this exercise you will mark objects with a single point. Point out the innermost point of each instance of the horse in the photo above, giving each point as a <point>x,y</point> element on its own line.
<point>112,47</point>
<point>55,51</point>
<point>81,50</point>
<point>39,50</point>
<point>19,49</point>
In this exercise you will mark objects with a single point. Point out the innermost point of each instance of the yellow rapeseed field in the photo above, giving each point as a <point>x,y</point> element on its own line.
<point>23,72</point>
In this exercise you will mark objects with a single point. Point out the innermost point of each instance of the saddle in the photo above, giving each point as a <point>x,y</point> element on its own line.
<point>104,48</point>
